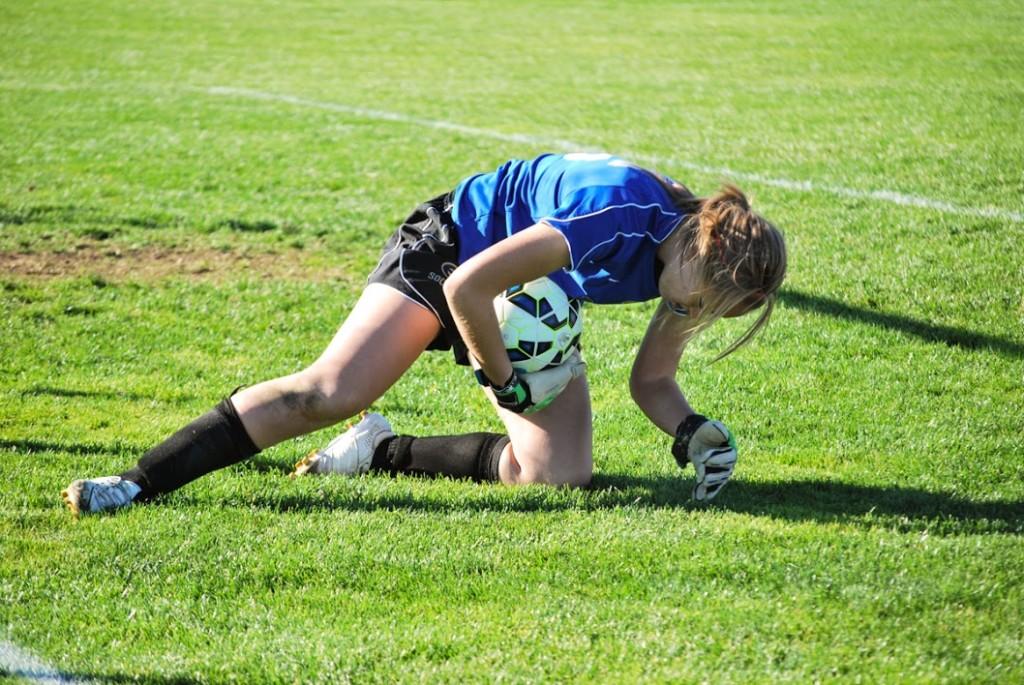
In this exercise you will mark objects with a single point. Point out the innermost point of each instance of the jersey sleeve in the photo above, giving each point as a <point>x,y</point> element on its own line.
<point>596,221</point>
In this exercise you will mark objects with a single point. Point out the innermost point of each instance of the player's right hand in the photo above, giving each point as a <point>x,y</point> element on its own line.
<point>525,393</point>
<point>544,386</point>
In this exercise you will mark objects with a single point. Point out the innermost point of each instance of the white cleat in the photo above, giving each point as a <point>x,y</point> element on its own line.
<point>350,453</point>
<point>99,494</point>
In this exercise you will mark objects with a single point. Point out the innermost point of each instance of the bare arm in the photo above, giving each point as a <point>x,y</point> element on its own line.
<point>652,382</point>
<point>471,289</point>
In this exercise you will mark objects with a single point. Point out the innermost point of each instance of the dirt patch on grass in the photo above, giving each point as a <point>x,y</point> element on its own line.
<point>155,263</point>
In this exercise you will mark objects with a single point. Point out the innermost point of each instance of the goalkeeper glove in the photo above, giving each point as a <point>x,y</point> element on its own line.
<point>525,393</point>
<point>711,448</point>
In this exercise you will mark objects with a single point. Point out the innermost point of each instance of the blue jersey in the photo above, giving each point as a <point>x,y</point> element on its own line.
<point>612,214</point>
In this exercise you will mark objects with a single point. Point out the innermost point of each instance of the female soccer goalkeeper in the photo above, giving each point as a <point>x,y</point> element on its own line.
<point>604,230</point>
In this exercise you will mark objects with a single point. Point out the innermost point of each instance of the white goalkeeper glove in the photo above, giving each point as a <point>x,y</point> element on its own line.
<point>711,448</point>
<point>548,384</point>
<point>525,393</point>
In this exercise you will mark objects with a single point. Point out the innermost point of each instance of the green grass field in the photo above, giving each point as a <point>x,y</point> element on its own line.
<point>191,195</point>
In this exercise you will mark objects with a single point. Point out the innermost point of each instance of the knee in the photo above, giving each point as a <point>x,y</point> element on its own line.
<point>317,399</point>
<point>559,470</point>
<point>564,478</point>
<point>579,477</point>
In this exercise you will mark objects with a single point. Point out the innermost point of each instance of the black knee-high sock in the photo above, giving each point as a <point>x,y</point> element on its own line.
<point>214,440</point>
<point>472,455</point>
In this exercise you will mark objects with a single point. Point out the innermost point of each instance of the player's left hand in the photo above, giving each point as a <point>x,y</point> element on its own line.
<point>711,448</point>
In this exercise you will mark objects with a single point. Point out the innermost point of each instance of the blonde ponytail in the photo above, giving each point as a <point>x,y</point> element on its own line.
<point>742,256</point>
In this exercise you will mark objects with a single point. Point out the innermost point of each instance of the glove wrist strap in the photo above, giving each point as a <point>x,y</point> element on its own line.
<point>681,446</point>
<point>505,388</point>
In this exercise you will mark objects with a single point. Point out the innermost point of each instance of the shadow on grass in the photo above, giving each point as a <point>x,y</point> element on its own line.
<point>948,335</point>
<point>73,448</point>
<point>819,501</point>
<point>81,214</point>
<point>823,501</point>
<point>49,391</point>
<point>124,678</point>
<point>261,464</point>
<point>812,501</point>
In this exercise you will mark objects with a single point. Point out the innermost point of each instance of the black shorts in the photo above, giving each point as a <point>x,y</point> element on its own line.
<point>419,256</point>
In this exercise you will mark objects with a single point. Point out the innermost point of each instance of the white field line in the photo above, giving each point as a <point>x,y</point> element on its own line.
<point>890,196</point>
<point>17,662</point>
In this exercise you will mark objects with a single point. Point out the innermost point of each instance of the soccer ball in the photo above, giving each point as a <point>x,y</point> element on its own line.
<point>539,323</point>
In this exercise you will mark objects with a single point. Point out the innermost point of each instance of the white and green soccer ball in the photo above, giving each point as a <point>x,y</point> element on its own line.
<point>540,324</point>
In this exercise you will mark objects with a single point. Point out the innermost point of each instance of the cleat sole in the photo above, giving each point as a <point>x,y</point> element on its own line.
<point>304,466</point>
